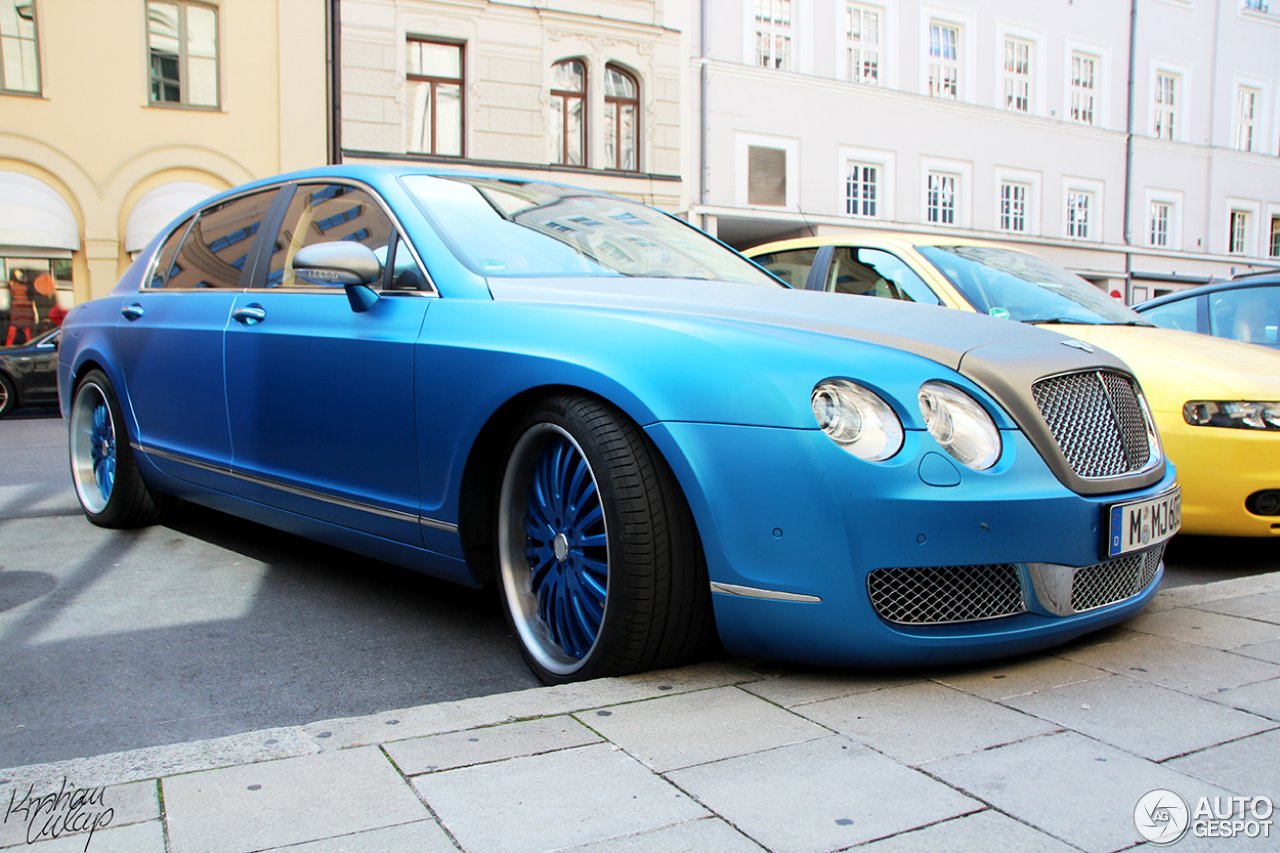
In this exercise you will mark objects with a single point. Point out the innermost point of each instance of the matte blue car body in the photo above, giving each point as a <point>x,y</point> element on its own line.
<point>719,376</point>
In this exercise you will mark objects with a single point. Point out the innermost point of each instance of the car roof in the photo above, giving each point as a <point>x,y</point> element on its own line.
<point>1255,280</point>
<point>900,239</point>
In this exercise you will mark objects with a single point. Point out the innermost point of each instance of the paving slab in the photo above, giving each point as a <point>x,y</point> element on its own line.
<point>491,743</point>
<point>1269,651</point>
<point>1262,698</point>
<point>34,811</point>
<point>145,837</point>
<point>976,833</point>
<point>805,687</point>
<point>547,802</point>
<point>1247,767</point>
<point>1001,680</point>
<point>1265,607</point>
<point>820,795</point>
<point>923,722</point>
<point>707,725</point>
<point>695,836</point>
<point>1187,667</point>
<point>1067,785</point>
<point>1145,719</point>
<point>424,836</point>
<point>1204,628</point>
<point>277,803</point>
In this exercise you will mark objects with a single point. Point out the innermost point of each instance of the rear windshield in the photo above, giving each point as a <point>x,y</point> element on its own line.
<point>526,228</point>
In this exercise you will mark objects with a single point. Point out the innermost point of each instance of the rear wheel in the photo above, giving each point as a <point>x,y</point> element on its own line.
<point>598,558</point>
<point>108,484</point>
<point>8,396</point>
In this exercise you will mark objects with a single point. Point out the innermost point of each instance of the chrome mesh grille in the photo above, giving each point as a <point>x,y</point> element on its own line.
<point>1116,580</point>
<point>934,595</point>
<point>1097,421</point>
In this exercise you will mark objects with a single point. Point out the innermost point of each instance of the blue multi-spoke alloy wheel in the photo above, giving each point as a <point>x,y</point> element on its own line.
<point>93,447</point>
<point>555,551</point>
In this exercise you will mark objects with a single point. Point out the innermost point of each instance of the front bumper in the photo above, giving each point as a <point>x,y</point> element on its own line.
<point>788,513</point>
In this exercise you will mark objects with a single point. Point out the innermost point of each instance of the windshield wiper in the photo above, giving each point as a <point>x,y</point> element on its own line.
<point>1054,321</point>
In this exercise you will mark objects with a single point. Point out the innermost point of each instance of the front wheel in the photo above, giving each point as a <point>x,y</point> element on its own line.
<point>108,484</point>
<point>599,563</point>
<point>8,396</point>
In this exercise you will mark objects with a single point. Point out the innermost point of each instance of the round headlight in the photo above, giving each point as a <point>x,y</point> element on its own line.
<point>857,419</point>
<point>960,424</point>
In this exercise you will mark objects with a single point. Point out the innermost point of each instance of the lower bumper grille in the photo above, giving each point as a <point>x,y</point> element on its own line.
<point>1116,580</point>
<point>936,595</point>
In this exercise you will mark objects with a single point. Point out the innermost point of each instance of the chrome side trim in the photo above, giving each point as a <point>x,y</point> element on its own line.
<point>752,592</point>
<point>412,518</point>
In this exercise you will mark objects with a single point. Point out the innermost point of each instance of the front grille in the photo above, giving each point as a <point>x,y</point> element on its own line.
<point>934,595</point>
<point>1097,421</point>
<point>1116,580</point>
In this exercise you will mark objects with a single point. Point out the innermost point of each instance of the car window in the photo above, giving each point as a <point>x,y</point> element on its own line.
<point>873,272</point>
<point>323,213</point>
<point>1247,314</point>
<point>508,227</point>
<point>1024,287</point>
<point>216,248</point>
<point>791,266</point>
<point>1180,314</point>
<point>169,251</point>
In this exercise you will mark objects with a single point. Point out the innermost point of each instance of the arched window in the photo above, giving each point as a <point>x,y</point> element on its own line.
<point>569,112</point>
<point>621,119</point>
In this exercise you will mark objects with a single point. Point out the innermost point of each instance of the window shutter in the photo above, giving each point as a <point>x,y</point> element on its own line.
<point>766,175</point>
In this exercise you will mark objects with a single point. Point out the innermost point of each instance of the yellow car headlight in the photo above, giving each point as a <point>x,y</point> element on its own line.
<point>1238,415</point>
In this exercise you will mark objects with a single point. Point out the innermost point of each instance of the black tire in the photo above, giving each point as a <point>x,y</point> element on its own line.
<point>108,484</point>
<point>656,608</point>
<point>8,395</point>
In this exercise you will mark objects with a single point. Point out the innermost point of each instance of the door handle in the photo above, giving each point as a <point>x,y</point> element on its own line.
<point>132,312</point>
<point>250,315</point>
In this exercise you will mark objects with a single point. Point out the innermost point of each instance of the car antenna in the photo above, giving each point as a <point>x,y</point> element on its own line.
<point>806,221</point>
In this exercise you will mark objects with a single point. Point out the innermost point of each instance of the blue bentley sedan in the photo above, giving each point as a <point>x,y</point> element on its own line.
<point>641,440</point>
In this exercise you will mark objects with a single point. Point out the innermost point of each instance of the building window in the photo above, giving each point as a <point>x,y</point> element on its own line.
<point>569,112</point>
<point>621,114</point>
<point>1161,214</point>
<point>183,41</point>
<point>1084,70</point>
<point>940,202</point>
<point>433,91</point>
<point>1079,208</point>
<point>944,61</point>
<point>1013,207</point>
<point>19,59</point>
<point>773,34</point>
<point>1165,105</point>
<point>861,188</point>
<point>766,175</point>
<point>1017,75</point>
<point>1247,118</point>
<point>862,44</point>
<point>1237,239</point>
<point>1275,237</point>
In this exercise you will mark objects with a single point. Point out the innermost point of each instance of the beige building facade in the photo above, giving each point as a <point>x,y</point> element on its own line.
<point>584,92</point>
<point>115,115</point>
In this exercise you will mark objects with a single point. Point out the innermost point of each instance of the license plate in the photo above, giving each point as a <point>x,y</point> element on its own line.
<point>1139,524</point>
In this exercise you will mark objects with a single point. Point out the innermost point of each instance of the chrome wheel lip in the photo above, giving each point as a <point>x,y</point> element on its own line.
<point>92,442</point>
<point>517,577</point>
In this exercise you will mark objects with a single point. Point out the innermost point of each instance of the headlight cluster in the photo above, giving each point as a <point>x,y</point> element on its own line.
<point>861,422</point>
<point>1233,414</point>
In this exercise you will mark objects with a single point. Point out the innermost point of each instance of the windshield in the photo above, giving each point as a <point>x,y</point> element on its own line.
<point>1023,287</point>
<point>522,228</point>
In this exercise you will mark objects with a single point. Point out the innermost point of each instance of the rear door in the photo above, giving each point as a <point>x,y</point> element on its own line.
<point>320,396</point>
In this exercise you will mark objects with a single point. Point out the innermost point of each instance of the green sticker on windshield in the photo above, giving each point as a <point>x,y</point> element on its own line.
<point>494,265</point>
<point>1002,313</point>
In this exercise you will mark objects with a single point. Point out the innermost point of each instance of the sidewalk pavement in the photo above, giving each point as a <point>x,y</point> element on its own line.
<point>1049,752</point>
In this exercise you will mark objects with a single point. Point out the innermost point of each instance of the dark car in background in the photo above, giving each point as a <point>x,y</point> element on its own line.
<point>29,373</point>
<point>1243,309</point>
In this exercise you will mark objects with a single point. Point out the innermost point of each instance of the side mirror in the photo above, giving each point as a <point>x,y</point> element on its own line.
<point>341,262</point>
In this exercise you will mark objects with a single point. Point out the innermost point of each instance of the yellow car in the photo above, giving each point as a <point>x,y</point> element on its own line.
<point>1215,401</point>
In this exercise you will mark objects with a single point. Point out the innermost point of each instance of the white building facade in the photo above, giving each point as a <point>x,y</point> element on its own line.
<point>997,119</point>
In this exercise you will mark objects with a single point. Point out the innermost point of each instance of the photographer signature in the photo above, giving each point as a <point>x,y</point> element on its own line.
<point>60,813</point>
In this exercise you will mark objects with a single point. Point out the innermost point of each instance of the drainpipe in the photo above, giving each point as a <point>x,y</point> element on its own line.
<point>1128,154</point>
<point>704,166</point>
<point>334,81</point>
<point>1213,111</point>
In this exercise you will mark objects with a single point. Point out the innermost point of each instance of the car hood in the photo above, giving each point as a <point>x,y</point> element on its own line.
<point>940,334</point>
<point>1175,367</point>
